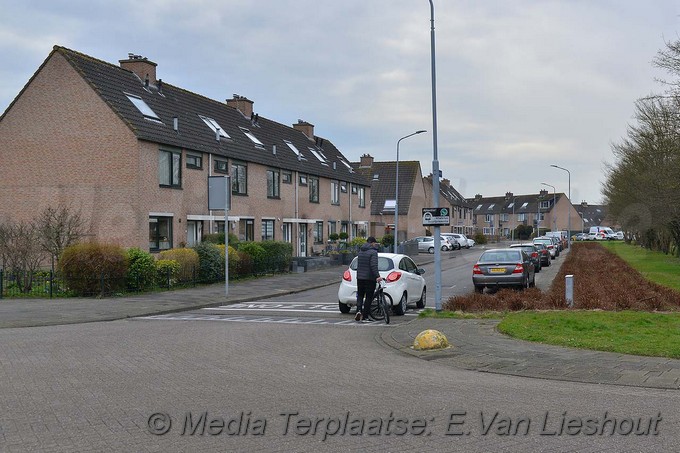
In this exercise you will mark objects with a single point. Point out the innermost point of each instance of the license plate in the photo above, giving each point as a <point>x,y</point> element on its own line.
<point>497,270</point>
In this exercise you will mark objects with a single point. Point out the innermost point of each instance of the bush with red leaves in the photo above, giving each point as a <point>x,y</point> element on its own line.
<point>602,281</point>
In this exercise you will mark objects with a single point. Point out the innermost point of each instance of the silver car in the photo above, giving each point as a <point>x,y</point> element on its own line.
<point>503,267</point>
<point>426,244</point>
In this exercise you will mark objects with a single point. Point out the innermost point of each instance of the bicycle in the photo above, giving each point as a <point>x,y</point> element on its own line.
<point>380,309</point>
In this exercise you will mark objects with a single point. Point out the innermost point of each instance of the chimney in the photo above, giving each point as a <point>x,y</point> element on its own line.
<point>306,128</point>
<point>508,195</point>
<point>542,193</point>
<point>242,104</point>
<point>445,183</point>
<point>478,197</point>
<point>366,161</point>
<point>140,66</point>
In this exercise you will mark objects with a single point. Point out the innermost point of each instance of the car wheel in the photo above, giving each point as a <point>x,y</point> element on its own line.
<point>400,308</point>
<point>430,250</point>
<point>344,308</point>
<point>423,299</point>
<point>479,289</point>
<point>467,247</point>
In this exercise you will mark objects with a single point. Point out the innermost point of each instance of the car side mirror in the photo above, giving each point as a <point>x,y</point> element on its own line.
<point>420,271</point>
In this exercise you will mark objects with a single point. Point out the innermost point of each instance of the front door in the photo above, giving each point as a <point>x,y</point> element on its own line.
<point>302,243</point>
<point>194,232</point>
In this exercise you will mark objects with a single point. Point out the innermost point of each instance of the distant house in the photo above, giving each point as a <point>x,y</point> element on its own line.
<point>461,212</point>
<point>412,196</point>
<point>134,154</point>
<point>499,216</point>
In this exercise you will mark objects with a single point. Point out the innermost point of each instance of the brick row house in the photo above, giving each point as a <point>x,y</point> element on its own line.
<point>134,154</point>
<point>498,216</point>
<point>412,196</point>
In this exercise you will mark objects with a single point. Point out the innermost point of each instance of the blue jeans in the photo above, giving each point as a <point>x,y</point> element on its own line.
<point>365,292</point>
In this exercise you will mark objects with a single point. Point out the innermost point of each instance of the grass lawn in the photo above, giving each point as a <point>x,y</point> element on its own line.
<point>655,266</point>
<point>627,332</point>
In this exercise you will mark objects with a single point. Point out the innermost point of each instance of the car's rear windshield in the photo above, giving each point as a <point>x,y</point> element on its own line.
<point>384,264</point>
<point>500,256</point>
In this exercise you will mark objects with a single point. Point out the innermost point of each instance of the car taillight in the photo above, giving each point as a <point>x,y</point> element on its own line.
<point>476,270</point>
<point>347,276</point>
<point>534,254</point>
<point>393,276</point>
<point>550,247</point>
<point>519,269</point>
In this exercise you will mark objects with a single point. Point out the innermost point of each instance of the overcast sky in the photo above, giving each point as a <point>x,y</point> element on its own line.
<point>520,84</point>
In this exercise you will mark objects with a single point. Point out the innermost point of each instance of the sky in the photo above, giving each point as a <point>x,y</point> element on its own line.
<point>520,85</point>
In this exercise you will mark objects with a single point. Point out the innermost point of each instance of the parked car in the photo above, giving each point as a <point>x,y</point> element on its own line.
<point>531,250</point>
<point>543,253</point>
<point>548,244</point>
<point>619,235</point>
<point>503,267</point>
<point>603,233</point>
<point>453,240</point>
<point>404,283</point>
<point>461,239</point>
<point>426,244</point>
<point>581,237</point>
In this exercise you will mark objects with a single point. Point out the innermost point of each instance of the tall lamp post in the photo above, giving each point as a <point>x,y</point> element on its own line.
<point>435,172</point>
<point>569,214</point>
<point>396,192</point>
<point>553,206</point>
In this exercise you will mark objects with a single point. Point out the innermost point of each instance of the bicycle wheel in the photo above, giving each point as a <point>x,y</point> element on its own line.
<point>386,309</point>
<point>377,311</point>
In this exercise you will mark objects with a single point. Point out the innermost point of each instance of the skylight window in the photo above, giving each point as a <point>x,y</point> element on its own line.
<point>478,207</point>
<point>349,167</point>
<point>491,206</point>
<point>524,205</point>
<point>251,136</point>
<point>142,107</point>
<point>293,148</point>
<point>318,156</point>
<point>390,205</point>
<point>212,124</point>
<point>511,205</point>
<point>376,176</point>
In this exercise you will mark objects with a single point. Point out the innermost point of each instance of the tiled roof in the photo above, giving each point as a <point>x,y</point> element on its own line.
<point>501,205</point>
<point>384,188</point>
<point>112,83</point>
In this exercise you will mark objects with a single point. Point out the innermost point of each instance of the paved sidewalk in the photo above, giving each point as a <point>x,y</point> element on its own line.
<point>476,343</point>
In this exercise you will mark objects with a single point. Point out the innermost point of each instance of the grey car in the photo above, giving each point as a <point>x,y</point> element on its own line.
<point>497,268</point>
<point>426,244</point>
<point>533,252</point>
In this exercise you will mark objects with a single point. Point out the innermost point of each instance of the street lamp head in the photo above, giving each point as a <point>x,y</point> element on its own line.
<point>420,132</point>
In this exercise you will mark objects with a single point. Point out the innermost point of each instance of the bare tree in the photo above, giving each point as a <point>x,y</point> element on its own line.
<point>22,253</point>
<point>59,227</point>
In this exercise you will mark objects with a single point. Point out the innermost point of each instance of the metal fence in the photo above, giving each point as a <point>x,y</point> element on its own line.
<point>49,284</point>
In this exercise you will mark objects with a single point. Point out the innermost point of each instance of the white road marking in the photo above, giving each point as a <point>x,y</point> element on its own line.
<point>265,319</point>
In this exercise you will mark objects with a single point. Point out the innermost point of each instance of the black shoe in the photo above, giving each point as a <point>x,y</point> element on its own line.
<point>358,316</point>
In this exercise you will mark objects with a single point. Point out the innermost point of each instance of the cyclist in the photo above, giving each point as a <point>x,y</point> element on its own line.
<point>367,277</point>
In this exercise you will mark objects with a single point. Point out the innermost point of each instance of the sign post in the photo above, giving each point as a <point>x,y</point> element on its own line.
<point>219,197</point>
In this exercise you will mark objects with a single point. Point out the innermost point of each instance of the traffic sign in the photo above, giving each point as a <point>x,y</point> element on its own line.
<point>436,216</point>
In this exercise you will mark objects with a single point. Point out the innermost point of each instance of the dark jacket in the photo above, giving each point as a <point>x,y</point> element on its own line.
<point>367,263</point>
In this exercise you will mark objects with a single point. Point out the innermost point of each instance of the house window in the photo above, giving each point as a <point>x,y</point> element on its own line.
<point>318,232</point>
<point>160,233</point>
<point>545,204</point>
<point>169,169</point>
<point>142,106</point>
<point>521,217</point>
<point>303,180</point>
<point>194,161</point>
<point>273,184</point>
<point>318,156</point>
<point>267,230</point>
<point>343,187</point>
<point>362,197</point>
<point>286,177</point>
<point>489,217</point>
<point>249,230</point>
<point>251,137</point>
<point>354,188</point>
<point>313,189</point>
<point>294,149</point>
<point>221,166</point>
<point>216,128</point>
<point>239,178</point>
<point>503,217</point>
<point>335,192</point>
<point>332,227</point>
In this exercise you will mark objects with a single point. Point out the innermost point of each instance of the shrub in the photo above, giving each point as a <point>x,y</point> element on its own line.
<point>257,255</point>
<point>387,240</point>
<point>357,242</point>
<point>277,256</point>
<point>333,237</point>
<point>167,272</point>
<point>343,236</point>
<point>141,273</point>
<point>187,260</point>
<point>214,238</point>
<point>92,268</point>
<point>244,264</point>
<point>480,238</point>
<point>210,262</point>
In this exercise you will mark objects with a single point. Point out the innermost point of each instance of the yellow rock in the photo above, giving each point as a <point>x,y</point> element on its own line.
<point>430,339</point>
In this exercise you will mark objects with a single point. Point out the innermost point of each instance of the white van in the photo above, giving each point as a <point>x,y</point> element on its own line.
<point>602,233</point>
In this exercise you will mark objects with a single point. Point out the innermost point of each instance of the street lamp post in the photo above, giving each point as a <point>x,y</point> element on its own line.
<point>396,192</point>
<point>569,212</point>
<point>554,219</point>
<point>435,171</point>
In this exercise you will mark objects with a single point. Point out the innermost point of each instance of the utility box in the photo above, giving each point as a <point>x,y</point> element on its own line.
<point>569,290</point>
